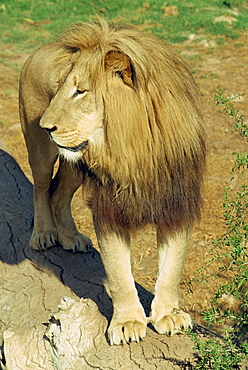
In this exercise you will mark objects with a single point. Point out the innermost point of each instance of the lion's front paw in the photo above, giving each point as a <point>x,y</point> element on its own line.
<point>43,240</point>
<point>76,243</point>
<point>126,332</point>
<point>173,323</point>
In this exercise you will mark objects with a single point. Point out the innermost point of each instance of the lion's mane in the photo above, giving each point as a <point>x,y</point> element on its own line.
<point>148,168</point>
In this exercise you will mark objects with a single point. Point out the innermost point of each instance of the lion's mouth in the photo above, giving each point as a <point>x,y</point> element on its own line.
<point>75,148</point>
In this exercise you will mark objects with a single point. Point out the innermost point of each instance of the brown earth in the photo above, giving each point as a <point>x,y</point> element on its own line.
<point>213,65</point>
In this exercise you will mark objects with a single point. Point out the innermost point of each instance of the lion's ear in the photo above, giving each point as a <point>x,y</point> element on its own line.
<point>120,65</point>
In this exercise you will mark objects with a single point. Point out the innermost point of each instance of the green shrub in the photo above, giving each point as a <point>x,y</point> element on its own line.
<point>232,255</point>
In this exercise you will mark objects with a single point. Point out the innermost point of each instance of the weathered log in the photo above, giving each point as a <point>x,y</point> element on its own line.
<point>43,330</point>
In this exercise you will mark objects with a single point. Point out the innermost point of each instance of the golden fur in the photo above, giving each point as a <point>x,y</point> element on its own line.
<point>123,105</point>
<point>153,155</point>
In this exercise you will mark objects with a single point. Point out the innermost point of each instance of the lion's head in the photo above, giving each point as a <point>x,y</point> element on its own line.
<point>76,113</point>
<point>127,106</point>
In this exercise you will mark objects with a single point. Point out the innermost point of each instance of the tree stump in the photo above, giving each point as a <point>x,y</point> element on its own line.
<point>54,308</point>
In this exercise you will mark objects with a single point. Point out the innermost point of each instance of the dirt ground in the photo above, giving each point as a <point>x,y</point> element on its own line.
<point>213,65</point>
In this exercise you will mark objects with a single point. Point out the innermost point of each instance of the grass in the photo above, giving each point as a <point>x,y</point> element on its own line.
<point>28,23</point>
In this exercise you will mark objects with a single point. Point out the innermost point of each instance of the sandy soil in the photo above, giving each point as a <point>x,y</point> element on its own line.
<point>225,66</point>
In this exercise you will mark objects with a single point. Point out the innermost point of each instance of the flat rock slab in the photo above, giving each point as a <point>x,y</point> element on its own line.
<point>54,308</point>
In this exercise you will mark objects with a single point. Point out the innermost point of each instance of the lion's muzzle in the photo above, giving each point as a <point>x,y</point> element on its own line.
<point>75,148</point>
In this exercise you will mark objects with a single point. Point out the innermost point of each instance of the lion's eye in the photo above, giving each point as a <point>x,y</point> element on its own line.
<point>79,92</point>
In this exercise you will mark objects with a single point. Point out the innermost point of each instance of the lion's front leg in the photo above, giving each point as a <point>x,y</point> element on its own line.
<point>166,316</point>
<point>129,321</point>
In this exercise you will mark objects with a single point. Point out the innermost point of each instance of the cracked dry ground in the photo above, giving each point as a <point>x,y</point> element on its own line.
<point>225,66</point>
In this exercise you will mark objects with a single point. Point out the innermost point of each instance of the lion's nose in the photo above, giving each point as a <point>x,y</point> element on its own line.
<point>50,129</point>
<point>47,124</point>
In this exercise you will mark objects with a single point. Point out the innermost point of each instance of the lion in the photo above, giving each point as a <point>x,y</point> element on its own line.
<point>121,110</point>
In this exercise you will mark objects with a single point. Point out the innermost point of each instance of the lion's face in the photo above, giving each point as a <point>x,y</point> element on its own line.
<point>74,117</point>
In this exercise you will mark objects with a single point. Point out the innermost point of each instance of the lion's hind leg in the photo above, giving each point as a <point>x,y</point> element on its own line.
<point>53,223</point>
<point>166,316</point>
<point>42,156</point>
<point>64,185</point>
